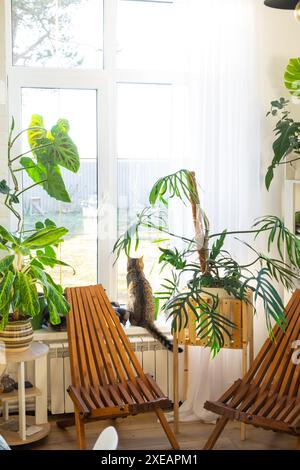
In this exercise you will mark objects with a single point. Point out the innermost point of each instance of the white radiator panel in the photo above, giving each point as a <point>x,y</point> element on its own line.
<point>56,379</point>
<point>150,353</point>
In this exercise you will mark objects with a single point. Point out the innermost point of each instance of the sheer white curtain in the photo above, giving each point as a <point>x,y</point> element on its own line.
<point>222,144</point>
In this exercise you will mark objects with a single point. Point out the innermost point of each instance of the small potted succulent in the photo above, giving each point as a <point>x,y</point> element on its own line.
<point>25,255</point>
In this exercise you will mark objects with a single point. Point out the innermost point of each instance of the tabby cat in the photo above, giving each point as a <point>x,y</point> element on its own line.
<point>140,301</point>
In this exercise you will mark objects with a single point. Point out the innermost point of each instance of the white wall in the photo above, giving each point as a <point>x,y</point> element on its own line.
<point>278,40</point>
<point>3,110</point>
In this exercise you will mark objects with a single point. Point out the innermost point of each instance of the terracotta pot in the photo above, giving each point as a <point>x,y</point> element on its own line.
<point>17,335</point>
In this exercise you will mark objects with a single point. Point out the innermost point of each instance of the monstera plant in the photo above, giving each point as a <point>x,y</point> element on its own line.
<point>202,263</point>
<point>27,254</point>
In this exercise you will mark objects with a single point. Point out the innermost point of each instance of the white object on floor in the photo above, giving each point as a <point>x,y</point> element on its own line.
<point>108,440</point>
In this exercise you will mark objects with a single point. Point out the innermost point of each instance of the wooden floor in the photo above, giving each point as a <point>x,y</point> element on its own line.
<point>143,432</point>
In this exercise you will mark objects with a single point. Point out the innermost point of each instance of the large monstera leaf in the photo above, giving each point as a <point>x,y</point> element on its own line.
<point>51,150</point>
<point>292,77</point>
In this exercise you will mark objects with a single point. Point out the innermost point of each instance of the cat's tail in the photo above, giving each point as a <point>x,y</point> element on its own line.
<point>157,334</point>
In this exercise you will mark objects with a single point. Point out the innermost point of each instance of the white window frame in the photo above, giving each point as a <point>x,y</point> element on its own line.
<point>104,81</point>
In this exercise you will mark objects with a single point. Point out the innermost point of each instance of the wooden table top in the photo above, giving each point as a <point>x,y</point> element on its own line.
<point>35,351</point>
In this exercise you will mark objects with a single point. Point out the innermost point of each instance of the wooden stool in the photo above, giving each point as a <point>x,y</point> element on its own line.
<point>238,312</point>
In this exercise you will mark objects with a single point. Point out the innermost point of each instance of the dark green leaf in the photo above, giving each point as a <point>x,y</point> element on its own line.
<point>44,237</point>
<point>4,189</point>
<point>6,262</point>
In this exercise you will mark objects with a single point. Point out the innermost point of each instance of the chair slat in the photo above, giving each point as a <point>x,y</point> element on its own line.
<point>91,365</point>
<point>154,387</point>
<point>110,335</point>
<point>135,393</point>
<point>105,396</point>
<point>274,412</point>
<point>110,373</point>
<point>125,395</point>
<point>145,390</point>
<point>115,395</point>
<point>73,345</point>
<point>81,358</point>
<point>96,397</point>
<point>268,405</point>
<point>95,336</point>
<point>249,400</point>
<point>126,344</point>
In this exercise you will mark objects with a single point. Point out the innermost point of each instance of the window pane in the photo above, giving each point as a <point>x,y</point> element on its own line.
<point>144,121</point>
<point>80,216</point>
<point>144,33</point>
<point>144,149</point>
<point>57,33</point>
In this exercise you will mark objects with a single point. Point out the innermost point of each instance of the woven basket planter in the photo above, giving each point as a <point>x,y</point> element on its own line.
<point>17,335</point>
<point>238,312</point>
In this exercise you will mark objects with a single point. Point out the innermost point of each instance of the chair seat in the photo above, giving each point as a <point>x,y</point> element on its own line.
<point>261,408</point>
<point>120,399</point>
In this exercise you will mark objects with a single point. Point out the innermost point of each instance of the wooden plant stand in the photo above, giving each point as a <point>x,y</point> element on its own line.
<point>36,352</point>
<point>238,312</point>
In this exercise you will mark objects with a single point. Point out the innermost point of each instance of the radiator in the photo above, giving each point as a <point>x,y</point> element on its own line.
<point>152,356</point>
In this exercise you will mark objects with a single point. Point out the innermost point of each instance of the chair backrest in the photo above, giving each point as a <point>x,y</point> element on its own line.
<point>108,440</point>
<point>100,352</point>
<point>274,369</point>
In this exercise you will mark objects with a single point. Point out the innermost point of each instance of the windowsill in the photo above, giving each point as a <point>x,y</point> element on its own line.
<point>47,334</point>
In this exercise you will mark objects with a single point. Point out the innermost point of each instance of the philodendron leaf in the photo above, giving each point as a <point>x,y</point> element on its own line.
<point>49,175</point>
<point>292,77</point>
<point>5,235</point>
<point>55,185</point>
<point>36,131</point>
<point>36,172</point>
<point>6,262</point>
<point>5,289</point>
<point>44,237</point>
<point>64,150</point>
<point>29,296</point>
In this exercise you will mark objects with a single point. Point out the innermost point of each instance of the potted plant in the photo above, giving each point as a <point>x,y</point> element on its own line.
<point>286,147</point>
<point>203,269</point>
<point>27,254</point>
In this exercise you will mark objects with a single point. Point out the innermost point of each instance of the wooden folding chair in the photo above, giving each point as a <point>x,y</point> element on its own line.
<point>107,379</point>
<point>269,394</point>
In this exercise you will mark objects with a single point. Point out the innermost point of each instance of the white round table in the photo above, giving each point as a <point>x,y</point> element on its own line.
<point>36,352</point>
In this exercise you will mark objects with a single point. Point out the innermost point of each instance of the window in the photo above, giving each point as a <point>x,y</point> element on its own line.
<point>106,66</point>
<point>143,151</point>
<point>80,217</point>
<point>60,33</point>
<point>144,35</point>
